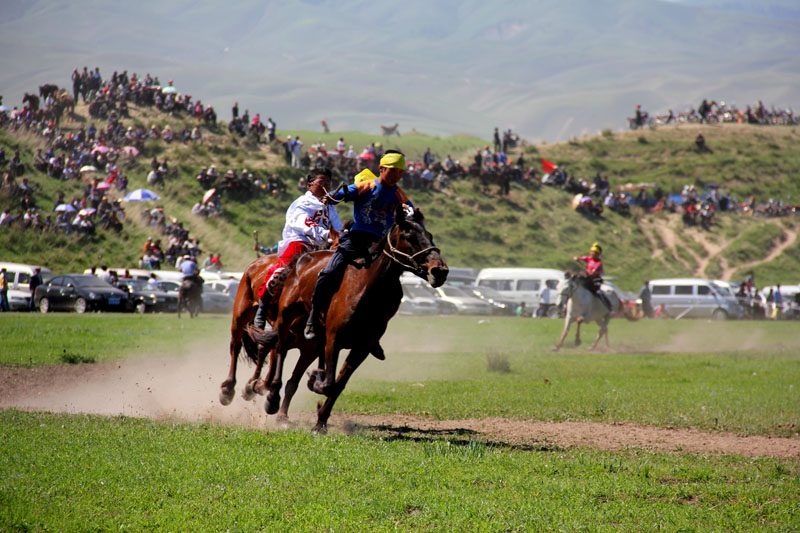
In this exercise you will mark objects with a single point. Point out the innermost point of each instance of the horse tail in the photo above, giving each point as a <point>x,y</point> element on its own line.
<point>250,347</point>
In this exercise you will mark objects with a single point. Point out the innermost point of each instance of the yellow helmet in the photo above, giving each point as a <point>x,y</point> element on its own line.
<point>596,248</point>
<point>364,175</point>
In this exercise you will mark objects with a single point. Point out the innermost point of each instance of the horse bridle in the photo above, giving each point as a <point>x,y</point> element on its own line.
<point>411,263</point>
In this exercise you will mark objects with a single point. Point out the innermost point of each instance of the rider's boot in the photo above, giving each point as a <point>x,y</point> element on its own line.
<point>274,285</point>
<point>310,331</point>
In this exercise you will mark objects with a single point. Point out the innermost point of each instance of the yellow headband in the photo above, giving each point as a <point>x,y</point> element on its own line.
<point>394,161</point>
<point>364,175</point>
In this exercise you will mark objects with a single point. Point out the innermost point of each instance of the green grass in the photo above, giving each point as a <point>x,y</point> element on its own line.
<point>70,473</point>
<point>36,339</point>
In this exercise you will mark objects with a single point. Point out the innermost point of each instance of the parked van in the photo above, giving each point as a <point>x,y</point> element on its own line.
<point>520,284</point>
<point>19,288</point>
<point>695,298</point>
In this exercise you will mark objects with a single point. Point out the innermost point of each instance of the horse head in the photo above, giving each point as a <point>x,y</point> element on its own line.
<point>411,246</point>
<point>566,288</point>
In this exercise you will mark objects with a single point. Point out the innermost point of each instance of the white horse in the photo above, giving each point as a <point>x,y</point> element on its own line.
<point>585,306</point>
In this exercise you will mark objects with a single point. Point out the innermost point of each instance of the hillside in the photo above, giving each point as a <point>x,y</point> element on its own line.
<point>476,228</point>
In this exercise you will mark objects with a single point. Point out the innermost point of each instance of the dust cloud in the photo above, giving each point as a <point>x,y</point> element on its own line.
<point>185,385</point>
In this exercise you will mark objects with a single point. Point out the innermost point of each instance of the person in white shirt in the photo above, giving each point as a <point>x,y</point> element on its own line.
<point>310,224</point>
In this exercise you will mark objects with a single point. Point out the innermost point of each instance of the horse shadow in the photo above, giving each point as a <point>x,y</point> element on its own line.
<point>459,437</point>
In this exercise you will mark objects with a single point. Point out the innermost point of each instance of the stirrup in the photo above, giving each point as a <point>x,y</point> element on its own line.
<point>310,332</point>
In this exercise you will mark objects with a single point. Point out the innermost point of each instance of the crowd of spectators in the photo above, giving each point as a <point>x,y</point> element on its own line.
<point>713,112</point>
<point>179,243</point>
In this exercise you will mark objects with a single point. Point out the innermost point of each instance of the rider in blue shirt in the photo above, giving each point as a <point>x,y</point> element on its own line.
<point>374,203</point>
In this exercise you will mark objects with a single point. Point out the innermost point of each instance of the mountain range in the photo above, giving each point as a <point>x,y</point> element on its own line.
<point>549,70</point>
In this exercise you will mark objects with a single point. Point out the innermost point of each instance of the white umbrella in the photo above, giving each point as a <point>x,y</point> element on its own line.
<point>141,195</point>
<point>209,193</point>
<point>88,168</point>
<point>170,89</point>
<point>68,208</point>
<point>87,211</point>
<point>3,108</point>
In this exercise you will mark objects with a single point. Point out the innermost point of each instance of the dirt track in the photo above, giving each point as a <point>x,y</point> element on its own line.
<point>187,388</point>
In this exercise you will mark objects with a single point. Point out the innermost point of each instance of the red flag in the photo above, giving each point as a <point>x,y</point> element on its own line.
<point>547,166</point>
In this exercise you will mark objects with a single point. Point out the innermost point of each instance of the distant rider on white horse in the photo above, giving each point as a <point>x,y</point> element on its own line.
<point>594,271</point>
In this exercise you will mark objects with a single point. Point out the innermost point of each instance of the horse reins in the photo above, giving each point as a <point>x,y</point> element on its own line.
<point>412,264</point>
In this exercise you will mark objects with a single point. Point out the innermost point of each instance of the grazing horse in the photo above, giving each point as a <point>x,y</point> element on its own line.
<point>31,100</point>
<point>584,306</point>
<point>48,89</point>
<point>357,316</point>
<point>388,131</point>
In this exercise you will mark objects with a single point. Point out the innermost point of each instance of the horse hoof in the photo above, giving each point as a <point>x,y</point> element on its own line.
<point>272,404</point>
<point>248,392</point>
<point>226,396</point>
<point>556,348</point>
<point>320,429</point>
<point>282,420</point>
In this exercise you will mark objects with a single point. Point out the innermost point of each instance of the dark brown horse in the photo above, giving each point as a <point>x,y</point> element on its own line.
<point>356,318</point>
<point>190,297</point>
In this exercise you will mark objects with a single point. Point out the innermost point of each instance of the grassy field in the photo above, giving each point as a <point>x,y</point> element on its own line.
<point>80,472</point>
<point>736,376</point>
<point>36,339</point>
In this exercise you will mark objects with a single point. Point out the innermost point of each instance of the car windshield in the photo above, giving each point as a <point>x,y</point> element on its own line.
<point>486,292</point>
<point>418,291</point>
<point>137,284</point>
<point>88,281</point>
<point>722,289</point>
<point>453,291</point>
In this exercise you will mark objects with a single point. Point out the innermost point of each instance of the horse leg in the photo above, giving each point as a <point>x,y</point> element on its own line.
<point>578,333</point>
<point>276,369</point>
<point>307,356</point>
<point>255,385</point>
<point>353,361</point>
<point>560,342</point>
<point>228,387</point>
<point>325,386</point>
<point>603,331</point>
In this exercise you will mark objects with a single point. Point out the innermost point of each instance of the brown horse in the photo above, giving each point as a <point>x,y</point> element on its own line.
<point>244,310</point>
<point>356,318</point>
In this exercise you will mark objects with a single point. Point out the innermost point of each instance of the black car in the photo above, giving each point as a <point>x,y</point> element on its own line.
<point>80,293</point>
<point>144,298</point>
<point>214,300</point>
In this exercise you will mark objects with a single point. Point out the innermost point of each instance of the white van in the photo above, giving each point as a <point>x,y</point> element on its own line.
<point>520,284</point>
<point>19,288</point>
<point>695,298</point>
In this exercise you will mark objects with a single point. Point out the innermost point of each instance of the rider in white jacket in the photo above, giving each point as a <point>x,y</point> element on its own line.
<point>308,227</point>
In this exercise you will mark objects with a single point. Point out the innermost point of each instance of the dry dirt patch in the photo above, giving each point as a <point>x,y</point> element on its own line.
<point>186,388</point>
